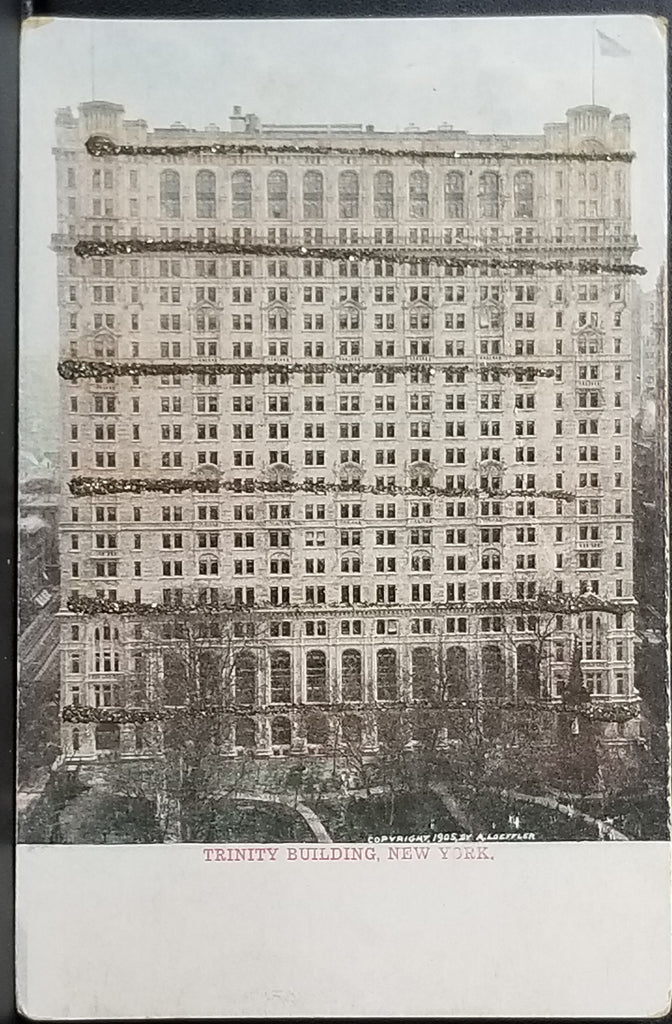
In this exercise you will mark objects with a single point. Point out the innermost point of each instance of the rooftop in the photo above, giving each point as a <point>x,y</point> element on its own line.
<point>581,124</point>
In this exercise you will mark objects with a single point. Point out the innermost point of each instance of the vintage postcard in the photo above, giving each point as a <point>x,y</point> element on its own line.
<point>343,508</point>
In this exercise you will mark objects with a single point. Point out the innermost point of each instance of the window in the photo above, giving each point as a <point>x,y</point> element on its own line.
<point>108,736</point>
<point>277,194</point>
<point>523,194</point>
<point>351,675</point>
<point>488,194</point>
<point>454,194</point>
<point>241,194</point>
<point>281,732</point>
<point>206,202</point>
<point>386,674</point>
<point>316,676</point>
<point>313,195</point>
<point>245,678</point>
<point>348,194</point>
<point>423,670</point>
<point>281,673</point>
<point>169,193</point>
<point>418,195</point>
<point>383,194</point>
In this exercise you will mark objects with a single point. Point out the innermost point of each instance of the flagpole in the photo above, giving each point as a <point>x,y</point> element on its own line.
<point>93,62</point>
<point>593,74</point>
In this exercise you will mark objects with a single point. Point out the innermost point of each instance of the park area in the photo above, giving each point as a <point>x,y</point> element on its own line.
<point>72,811</point>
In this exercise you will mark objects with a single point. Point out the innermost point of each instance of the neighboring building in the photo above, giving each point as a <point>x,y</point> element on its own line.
<point>650,468</point>
<point>39,504</point>
<point>661,391</point>
<point>651,407</point>
<point>33,579</point>
<point>485,404</point>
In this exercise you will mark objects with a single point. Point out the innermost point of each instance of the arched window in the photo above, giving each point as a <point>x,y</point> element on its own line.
<point>139,738</point>
<point>454,194</point>
<point>206,199</point>
<point>492,671</point>
<point>527,670</point>
<point>316,675</point>
<point>104,347</point>
<point>313,195</point>
<point>75,741</point>
<point>278,318</point>
<point>245,678</point>
<point>175,681</point>
<point>206,320</point>
<point>491,560</point>
<point>169,193</point>
<point>348,194</point>
<point>418,195</point>
<point>241,194</point>
<point>277,194</point>
<point>423,672</point>
<point>317,730</point>
<point>523,194</point>
<point>383,194</point>
<point>419,319</point>
<point>351,675</point>
<point>245,733</point>
<point>281,677</point>
<point>488,195</point>
<point>421,561</point>
<point>455,681</point>
<point>386,674</point>
<point>280,566</point>
<point>490,316</point>
<point>209,676</point>
<point>281,732</point>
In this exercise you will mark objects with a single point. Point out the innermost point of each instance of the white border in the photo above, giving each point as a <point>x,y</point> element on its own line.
<point>550,930</point>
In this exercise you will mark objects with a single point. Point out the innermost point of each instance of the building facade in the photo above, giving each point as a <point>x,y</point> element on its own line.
<point>368,394</point>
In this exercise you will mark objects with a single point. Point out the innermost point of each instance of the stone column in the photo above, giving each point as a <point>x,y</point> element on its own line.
<point>333,672</point>
<point>405,674</point>
<point>298,684</point>
<point>228,740</point>
<point>263,687</point>
<point>369,733</point>
<point>299,744</point>
<point>127,739</point>
<point>510,670</point>
<point>369,670</point>
<point>263,736</point>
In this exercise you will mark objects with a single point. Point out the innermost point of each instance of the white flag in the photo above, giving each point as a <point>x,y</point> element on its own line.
<point>609,47</point>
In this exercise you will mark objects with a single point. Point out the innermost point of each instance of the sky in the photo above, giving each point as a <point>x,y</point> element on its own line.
<point>503,75</point>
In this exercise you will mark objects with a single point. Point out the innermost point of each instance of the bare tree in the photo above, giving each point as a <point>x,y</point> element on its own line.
<point>195,676</point>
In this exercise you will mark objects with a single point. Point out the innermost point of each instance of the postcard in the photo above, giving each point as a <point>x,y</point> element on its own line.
<point>343,623</point>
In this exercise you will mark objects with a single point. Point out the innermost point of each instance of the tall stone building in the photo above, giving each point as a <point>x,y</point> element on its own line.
<point>378,410</point>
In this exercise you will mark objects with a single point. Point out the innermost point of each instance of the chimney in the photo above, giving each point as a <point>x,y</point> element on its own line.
<point>237,120</point>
